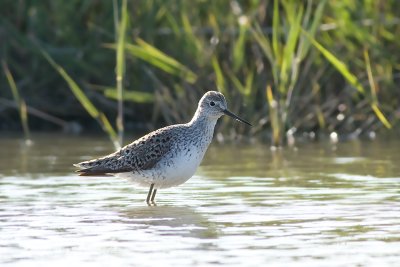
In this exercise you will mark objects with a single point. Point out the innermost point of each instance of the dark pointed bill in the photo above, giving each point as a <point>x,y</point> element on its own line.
<point>230,114</point>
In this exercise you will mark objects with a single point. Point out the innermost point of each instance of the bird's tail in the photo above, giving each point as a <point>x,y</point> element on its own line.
<point>101,166</point>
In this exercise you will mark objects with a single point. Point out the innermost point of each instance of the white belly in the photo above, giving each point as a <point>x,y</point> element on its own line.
<point>180,168</point>
<point>170,171</point>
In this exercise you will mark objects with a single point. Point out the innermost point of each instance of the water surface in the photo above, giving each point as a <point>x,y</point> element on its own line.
<point>316,205</point>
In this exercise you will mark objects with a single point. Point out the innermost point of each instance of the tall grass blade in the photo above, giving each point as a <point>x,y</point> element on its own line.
<point>20,103</point>
<point>133,96</point>
<point>263,42</point>
<point>237,83</point>
<point>84,100</point>
<point>339,65</point>
<point>266,47</point>
<point>248,86</point>
<point>370,76</point>
<point>276,32</point>
<point>159,59</point>
<point>172,22</point>
<point>24,120</point>
<point>380,115</point>
<point>290,46</point>
<point>320,117</point>
<point>219,77</point>
<point>107,127</point>
<point>317,16</point>
<point>239,46</point>
<point>121,69</point>
<point>190,36</point>
<point>274,117</point>
<point>351,78</point>
<point>371,81</point>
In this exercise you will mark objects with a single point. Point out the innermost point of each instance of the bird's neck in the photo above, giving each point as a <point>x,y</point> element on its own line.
<point>204,125</point>
<point>201,119</point>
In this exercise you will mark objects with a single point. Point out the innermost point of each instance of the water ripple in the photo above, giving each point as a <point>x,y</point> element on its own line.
<point>332,210</point>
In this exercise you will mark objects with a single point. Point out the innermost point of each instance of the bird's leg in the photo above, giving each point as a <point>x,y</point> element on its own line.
<point>149,194</point>
<point>153,195</point>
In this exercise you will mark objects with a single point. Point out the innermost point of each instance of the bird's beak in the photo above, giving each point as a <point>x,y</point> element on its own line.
<point>230,114</point>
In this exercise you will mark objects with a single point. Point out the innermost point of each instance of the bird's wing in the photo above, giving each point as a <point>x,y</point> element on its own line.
<point>142,154</point>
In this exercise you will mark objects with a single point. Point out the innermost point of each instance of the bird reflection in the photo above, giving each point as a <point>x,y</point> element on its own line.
<point>173,220</point>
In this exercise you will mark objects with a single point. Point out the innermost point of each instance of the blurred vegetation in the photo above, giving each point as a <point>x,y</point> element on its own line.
<point>295,69</point>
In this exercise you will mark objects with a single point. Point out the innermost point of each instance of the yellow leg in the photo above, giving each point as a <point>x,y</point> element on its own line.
<point>153,195</point>
<point>149,195</point>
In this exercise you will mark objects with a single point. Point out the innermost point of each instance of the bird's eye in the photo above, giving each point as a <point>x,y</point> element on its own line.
<point>212,103</point>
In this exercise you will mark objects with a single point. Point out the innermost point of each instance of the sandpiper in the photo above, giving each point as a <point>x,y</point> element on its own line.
<point>168,156</point>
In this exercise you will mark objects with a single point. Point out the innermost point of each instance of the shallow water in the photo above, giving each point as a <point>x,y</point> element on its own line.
<point>316,205</point>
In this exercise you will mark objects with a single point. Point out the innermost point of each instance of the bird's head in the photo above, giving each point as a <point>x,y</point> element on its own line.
<point>213,105</point>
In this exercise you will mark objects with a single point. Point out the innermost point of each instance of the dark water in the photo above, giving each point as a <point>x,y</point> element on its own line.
<point>316,205</point>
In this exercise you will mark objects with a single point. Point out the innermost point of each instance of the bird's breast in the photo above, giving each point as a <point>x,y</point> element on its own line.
<point>186,161</point>
<point>180,165</point>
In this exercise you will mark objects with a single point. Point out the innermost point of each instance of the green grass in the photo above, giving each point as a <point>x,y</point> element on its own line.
<point>19,102</point>
<point>287,66</point>
<point>85,101</point>
<point>120,68</point>
<point>353,80</point>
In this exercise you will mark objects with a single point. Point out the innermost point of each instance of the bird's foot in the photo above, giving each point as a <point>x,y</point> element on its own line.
<point>151,203</point>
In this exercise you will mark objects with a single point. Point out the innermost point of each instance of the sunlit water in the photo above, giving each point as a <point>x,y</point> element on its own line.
<point>316,205</point>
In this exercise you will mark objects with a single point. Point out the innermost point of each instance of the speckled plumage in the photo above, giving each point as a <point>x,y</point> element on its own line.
<point>168,156</point>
